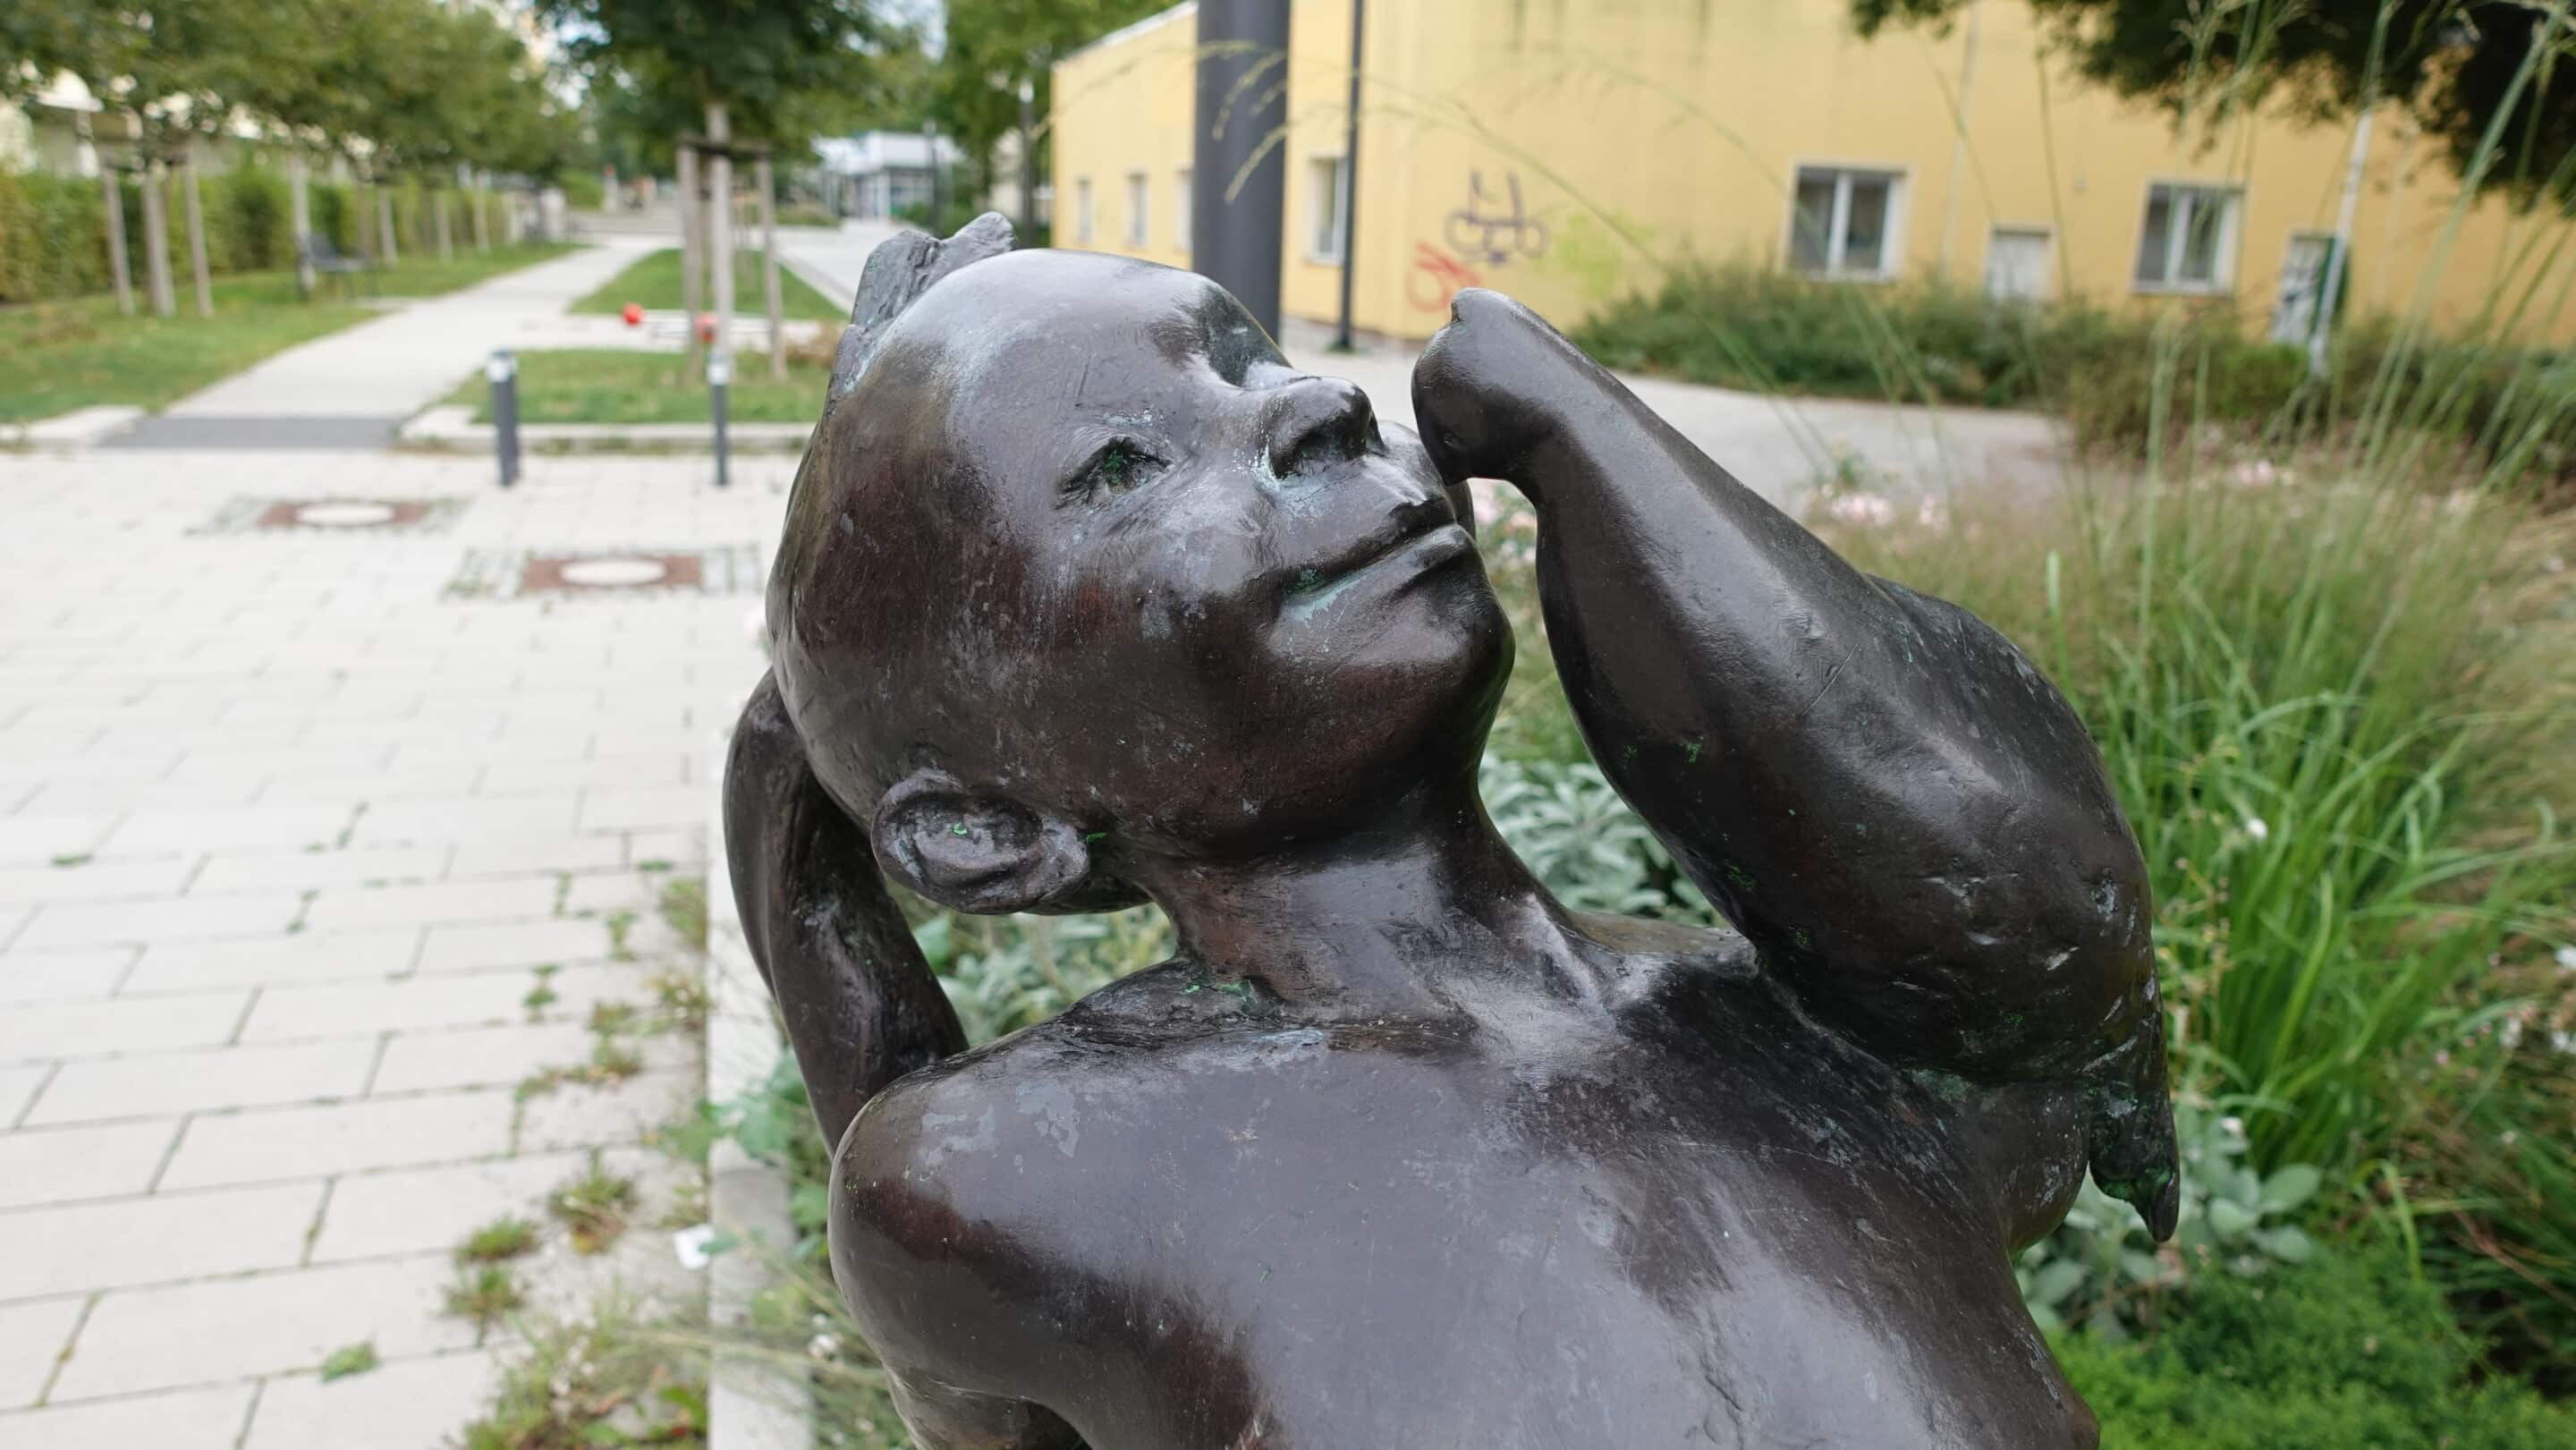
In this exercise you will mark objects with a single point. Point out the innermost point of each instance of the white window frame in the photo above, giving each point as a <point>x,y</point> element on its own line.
<point>1900,189</point>
<point>1181,210</point>
<point>2048,253</point>
<point>1082,213</point>
<point>1140,189</point>
<point>2178,237</point>
<point>1328,202</point>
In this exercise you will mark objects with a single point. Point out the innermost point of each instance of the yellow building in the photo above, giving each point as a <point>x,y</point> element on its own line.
<point>1565,151</point>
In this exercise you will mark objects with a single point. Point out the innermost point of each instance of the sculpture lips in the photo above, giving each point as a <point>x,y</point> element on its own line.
<point>1406,527</point>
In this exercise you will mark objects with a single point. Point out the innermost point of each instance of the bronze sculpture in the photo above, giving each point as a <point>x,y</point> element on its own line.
<point>1085,597</point>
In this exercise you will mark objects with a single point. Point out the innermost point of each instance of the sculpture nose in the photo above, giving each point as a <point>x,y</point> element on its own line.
<point>1316,420</point>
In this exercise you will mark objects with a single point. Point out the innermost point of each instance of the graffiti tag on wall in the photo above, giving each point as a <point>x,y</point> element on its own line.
<point>1491,230</point>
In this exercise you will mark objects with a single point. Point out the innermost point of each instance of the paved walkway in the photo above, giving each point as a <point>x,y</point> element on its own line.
<point>315,843</point>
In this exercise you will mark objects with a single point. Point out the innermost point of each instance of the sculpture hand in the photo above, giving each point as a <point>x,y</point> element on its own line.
<point>1488,389</point>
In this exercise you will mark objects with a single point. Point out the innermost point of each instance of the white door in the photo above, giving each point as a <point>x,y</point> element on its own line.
<point>2303,282</point>
<point>2017,264</point>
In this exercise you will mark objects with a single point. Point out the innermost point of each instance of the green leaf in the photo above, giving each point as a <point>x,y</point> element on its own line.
<point>2051,1285</point>
<point>2288,1245</point>
<point>2231,1220</point>
<point>2289,1187</point>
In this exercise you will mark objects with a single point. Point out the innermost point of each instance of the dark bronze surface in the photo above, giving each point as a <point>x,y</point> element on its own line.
<point>1086,597</point>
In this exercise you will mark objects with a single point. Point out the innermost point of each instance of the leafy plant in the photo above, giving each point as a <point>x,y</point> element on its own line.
<point>350,1359</point>
<point>503,1238</point>
<point>485,1294</point>
<point>593,1207</point>
<point>1581,839</point>
<point>2099,1269</point>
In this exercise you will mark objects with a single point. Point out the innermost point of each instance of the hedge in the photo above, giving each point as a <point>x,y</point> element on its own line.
<point>53,232</point>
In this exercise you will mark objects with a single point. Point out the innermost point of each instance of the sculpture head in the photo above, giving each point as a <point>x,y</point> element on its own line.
<point>1080,578</point>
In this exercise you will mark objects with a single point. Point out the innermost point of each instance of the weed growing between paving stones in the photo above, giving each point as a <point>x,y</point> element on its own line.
<point>684,906</point>
<point>593,1207</point>
<point>620,925</point>
<point>349,1359</point>
<point>610,1380</point>
<point>485,1294</point>
<point>542,995</point>
<point>502,1238</point>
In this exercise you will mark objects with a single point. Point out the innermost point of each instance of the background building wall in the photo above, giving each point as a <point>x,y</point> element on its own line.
<point>1566,151</point>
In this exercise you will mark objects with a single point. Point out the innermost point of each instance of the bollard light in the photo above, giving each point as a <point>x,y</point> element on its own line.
<point>503,373</point>
<point>719,378</point>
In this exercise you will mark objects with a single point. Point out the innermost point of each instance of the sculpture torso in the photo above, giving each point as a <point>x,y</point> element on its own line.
<point>1184,1217</point>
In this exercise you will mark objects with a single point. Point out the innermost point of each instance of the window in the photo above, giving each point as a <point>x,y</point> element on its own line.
<point>2187,239</point>
<point>1181,211</point>
<point>1082,209</point>
<point>1135,208</point>
<point>2017,264</point>
<point>1328,200</point>
<point>1842,222</point>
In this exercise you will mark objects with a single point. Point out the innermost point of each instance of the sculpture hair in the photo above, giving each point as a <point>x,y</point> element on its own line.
<point>898,272</point>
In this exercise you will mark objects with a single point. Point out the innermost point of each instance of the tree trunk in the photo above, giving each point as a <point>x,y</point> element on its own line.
<point>156,241</point>
<point>769,269</point>
<point>692,258</point>
<point>197,235</point>
<point>392,252</point>
<point>720,253</point>
<point>302,184</point>
<point>1028,165</point>
<point>482,218</point>
<point>118,267</point>
<point>446,238</point>
<point>366,224</point>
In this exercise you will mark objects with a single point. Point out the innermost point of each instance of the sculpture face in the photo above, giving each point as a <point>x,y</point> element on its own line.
<point>1083,539</point>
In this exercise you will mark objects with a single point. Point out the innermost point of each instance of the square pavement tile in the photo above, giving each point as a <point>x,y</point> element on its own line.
<point>263,1144</point>
<point>67,1165</point>
<point>170,1084</point>
<point>153,1240</point>
<point>208,1419</point>
<point>191,1334</point>
<point>405,1404</point>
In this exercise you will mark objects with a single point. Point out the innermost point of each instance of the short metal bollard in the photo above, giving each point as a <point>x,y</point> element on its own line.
<point>503,372</point>
<point>719,377</point>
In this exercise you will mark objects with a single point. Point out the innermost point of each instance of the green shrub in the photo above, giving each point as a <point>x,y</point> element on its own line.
<point>2348,1353</point>
<point>583,190</point>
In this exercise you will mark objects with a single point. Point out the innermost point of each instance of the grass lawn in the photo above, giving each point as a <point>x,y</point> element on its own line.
<point>654,282</point>
<point>57,356</point>
<point>602,385</point>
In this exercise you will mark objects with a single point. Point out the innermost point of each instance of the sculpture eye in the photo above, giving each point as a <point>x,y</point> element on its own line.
<point>1116,468</point>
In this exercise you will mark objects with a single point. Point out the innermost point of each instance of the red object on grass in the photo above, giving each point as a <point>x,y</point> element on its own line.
<point>633,312</point>
<point>706,327</point>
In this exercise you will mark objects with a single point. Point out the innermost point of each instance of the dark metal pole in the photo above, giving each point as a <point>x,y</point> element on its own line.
<point>1351,175</point>
<point>1237,205</point>
<point>719,377</point>
<point>503,373</point>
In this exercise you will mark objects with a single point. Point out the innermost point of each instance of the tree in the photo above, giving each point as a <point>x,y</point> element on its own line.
<point>995,48</point>
<point>2453,63</point>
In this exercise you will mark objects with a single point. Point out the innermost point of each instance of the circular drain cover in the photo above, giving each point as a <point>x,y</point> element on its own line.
<point>345,515</point>
<point>615,573</point>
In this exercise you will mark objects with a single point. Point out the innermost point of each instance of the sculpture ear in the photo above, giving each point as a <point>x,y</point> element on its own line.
<point>977,853</point>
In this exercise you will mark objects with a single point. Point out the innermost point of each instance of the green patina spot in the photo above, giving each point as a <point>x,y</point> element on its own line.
<point>1095,836</point>
<point>1799,935</point>
<point>1690,752</point>
<point>1739,877</point>
<point>959,829</point>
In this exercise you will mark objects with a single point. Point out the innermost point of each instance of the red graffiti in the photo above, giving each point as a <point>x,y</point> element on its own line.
<point>1436,278</point>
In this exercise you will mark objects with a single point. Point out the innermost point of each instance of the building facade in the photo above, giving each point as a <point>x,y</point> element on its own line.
<point>876,174</point>
<point>1567,151</point>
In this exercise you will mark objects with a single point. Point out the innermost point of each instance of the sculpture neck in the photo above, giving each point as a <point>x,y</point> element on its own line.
<point>1415,909</point>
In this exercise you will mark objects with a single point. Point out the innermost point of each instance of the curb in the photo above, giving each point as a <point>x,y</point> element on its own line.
<point>750,1405</point>
<point>445,429</point>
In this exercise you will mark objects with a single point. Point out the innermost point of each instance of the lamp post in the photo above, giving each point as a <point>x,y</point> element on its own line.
<point>1238,182</point>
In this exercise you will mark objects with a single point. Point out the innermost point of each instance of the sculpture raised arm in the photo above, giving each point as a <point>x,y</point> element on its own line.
<point>1899,811</point>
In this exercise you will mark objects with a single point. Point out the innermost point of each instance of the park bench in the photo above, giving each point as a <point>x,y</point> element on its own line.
<point>328,260</point>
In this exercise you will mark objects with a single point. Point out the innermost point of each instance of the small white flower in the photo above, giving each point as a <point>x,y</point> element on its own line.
<point>1862,508</point>
<point>2512,1034</point>
<point>823,1346</point>
<point>2564,1042</point>
<point>2235,1126</point>
<point>2258,828</point>
<point>2555,564</point>
<point>2566,958</point>
<point>2257,474</point>
<point>1933,514</point>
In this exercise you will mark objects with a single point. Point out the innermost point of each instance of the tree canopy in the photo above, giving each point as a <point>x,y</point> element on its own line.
<point>783,69</point>
<point>2453,63</point>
